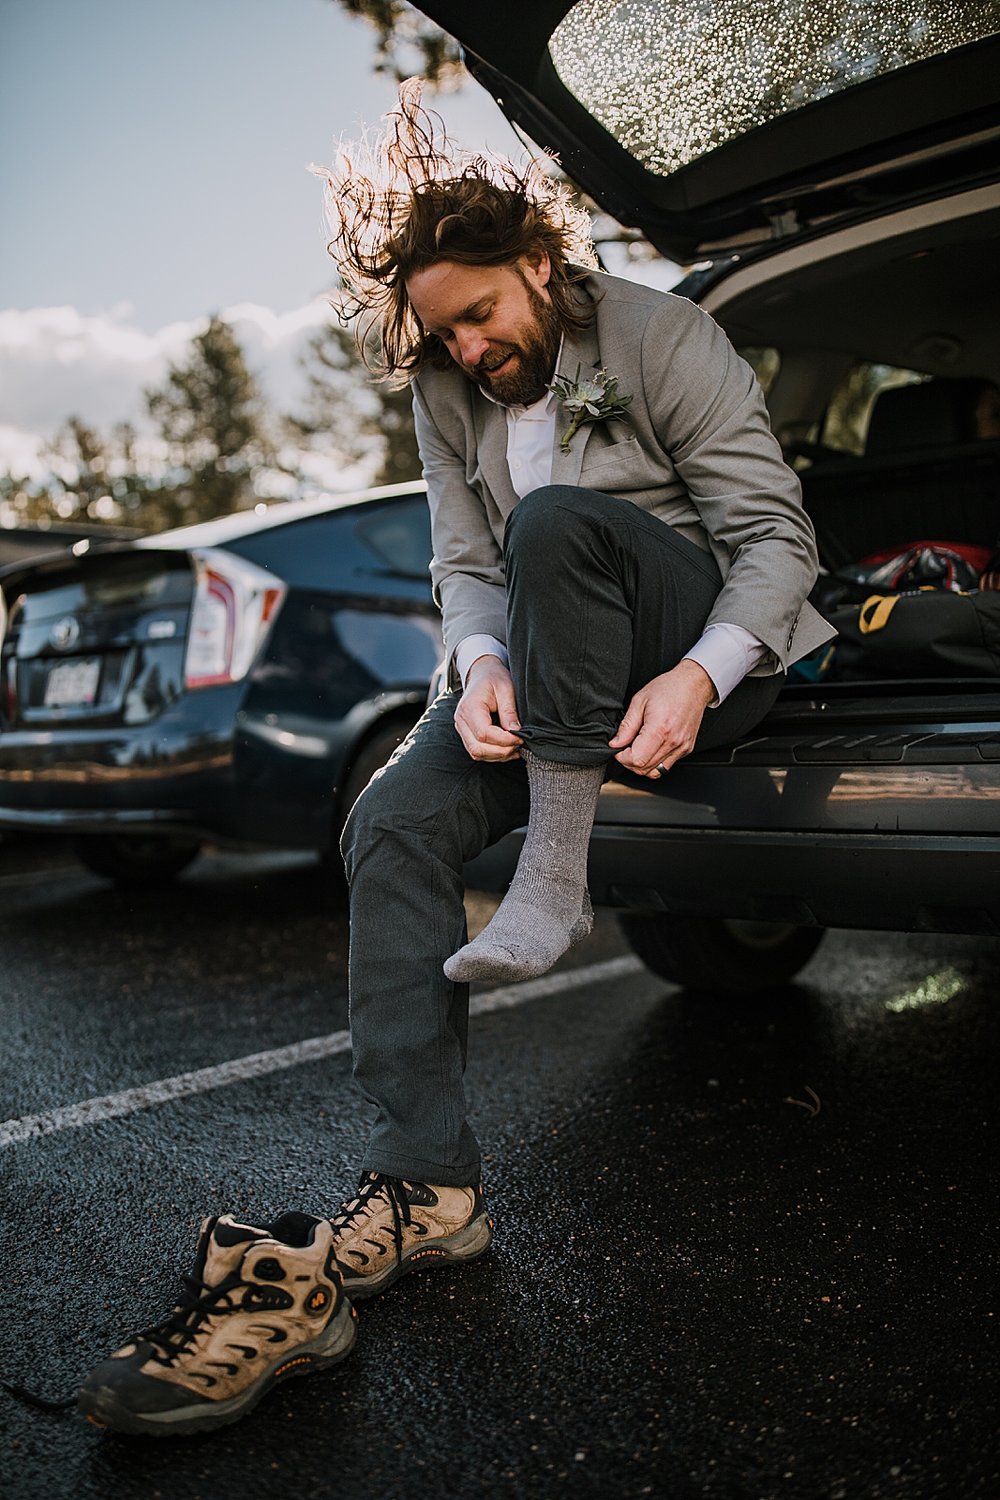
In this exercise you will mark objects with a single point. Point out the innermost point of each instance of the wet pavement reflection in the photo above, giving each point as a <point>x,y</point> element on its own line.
<point>744,1249</point>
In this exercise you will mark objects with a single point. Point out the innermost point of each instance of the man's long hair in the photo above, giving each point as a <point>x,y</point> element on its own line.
<point>398,204</point>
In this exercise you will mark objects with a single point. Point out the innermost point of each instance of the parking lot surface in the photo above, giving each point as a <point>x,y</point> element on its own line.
<point>743,1249</point>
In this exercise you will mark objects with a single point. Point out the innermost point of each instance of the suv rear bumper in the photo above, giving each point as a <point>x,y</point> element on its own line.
<point>909,884</point>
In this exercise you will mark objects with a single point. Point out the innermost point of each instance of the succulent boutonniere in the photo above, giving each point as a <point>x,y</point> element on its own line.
<point>594,400</point>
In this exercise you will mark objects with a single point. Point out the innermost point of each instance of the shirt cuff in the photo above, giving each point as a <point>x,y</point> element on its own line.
<point>477,645</point>
<point>727,653</point>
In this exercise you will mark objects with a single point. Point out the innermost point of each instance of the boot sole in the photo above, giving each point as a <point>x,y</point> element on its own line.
<point>465,1245</point>
<point>102,1406</point>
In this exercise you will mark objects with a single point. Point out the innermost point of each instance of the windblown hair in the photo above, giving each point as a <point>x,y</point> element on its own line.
<point>401,202</point>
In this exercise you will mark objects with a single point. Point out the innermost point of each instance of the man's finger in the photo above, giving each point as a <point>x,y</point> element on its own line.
<point>495,734</point>
<point>624,758</point>
<point>650,752</point>
<point>472,722</point>
<point>629,726</point>
<point>650,747</point>
<point>482,750</point>
<point>495,753</point>
<point>487,741</point>
<point>666,760</point>
<point>507,706</point>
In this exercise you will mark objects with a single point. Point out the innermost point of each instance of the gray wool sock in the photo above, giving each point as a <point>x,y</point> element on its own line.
<point>547,908</point>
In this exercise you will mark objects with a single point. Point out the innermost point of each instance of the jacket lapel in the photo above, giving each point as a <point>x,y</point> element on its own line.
<point>579,359</point>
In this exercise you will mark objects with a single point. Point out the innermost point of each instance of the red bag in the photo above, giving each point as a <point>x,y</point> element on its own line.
<point>953,566</point>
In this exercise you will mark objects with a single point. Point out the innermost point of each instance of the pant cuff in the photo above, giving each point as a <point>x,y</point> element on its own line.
<point>572,753</point>
<point>414,1170</point>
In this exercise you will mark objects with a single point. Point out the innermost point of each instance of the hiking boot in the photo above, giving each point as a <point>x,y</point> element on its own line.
<point>393,1226</point>
<point>261,1304</point>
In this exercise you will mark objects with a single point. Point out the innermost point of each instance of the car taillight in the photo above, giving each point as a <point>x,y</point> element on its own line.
<point>233,606</point>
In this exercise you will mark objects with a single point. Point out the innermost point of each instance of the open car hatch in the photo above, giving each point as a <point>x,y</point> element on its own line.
<point>717,124</point>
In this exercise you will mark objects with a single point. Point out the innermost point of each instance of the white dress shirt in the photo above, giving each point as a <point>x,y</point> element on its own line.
<point>726,652</point>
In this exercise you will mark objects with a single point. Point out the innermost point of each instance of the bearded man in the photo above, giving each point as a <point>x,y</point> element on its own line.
<point>621,581</point>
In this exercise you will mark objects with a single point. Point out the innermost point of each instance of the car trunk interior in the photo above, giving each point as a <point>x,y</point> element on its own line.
<point>918,308</point>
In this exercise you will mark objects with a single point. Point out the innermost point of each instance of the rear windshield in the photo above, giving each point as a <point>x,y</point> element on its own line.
<point>673,79</point>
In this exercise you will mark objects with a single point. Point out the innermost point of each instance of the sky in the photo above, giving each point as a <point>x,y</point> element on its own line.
<point>153,172</point>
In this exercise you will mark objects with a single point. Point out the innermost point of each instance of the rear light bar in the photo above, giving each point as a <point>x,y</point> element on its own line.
<point>233,608</point>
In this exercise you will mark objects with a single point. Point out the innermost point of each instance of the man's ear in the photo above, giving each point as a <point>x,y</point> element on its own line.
<point>537,267</point>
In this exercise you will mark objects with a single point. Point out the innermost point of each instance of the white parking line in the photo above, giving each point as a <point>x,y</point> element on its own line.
<point>258,1064</point>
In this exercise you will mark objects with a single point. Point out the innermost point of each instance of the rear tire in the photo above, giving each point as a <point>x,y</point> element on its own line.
<point>719,954</point>
<point>371,757</point>
<point>135,858</point>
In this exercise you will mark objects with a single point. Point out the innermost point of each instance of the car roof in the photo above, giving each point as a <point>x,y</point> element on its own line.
<point>714,123</point>
<point>223,529</point>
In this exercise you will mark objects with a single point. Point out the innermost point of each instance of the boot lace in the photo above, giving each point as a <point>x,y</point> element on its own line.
<point>374,1185</point>
<point>171,1339</point>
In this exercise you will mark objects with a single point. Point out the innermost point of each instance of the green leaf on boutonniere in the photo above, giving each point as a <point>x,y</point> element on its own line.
<point>594,400</point>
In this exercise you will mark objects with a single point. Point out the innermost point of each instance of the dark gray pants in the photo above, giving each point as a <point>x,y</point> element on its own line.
<point>601,598</point>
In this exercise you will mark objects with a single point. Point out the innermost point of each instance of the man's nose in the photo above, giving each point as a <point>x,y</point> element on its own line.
<point>471,346</point>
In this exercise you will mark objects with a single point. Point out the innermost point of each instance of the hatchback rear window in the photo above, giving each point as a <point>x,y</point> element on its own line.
<point>672,80</point>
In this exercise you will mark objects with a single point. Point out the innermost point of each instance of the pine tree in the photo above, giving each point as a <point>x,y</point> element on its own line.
<point>212,420</point>
<point>400,455</point>
<point>81,463</point>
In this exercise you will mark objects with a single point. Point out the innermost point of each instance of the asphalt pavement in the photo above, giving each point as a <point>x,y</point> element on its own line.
<point>744,1248</point>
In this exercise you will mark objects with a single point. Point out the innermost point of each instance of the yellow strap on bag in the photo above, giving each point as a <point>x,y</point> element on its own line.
<point>875,612</point>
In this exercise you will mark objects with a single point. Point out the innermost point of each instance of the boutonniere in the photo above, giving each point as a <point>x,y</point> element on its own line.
<point>593,400</point>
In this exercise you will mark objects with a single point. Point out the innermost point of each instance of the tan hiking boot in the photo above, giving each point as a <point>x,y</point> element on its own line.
<point>261,1303</point>
<point>393,1226</point>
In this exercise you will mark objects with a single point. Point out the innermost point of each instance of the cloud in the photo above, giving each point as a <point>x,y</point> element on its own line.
<point>56,362</point>
<point>20,453</point>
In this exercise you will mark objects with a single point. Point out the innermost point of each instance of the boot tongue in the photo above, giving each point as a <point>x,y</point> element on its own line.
<point>223,1246</point>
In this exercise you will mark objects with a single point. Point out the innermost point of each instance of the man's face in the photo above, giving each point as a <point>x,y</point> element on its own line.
<point>497,323</point>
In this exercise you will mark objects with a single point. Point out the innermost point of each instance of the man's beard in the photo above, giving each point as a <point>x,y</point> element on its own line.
<point>536,358</point>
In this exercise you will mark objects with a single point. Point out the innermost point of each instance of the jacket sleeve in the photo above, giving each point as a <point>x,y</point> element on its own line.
<point>708,412</point>
<point>467,572</point>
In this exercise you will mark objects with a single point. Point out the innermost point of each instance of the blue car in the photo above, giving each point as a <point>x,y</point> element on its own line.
<point>235,682</point>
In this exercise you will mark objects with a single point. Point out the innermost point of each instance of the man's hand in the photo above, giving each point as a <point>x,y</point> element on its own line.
<point>489,690</point>
<point>661,723</point>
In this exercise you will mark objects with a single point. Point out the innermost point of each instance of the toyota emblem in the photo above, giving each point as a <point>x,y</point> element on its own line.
<point>65,633</point>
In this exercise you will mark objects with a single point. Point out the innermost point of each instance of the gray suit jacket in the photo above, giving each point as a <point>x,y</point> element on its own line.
<point>697,451</point>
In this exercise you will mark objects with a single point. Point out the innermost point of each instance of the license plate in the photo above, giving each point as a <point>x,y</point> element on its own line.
<point>73,683</point>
